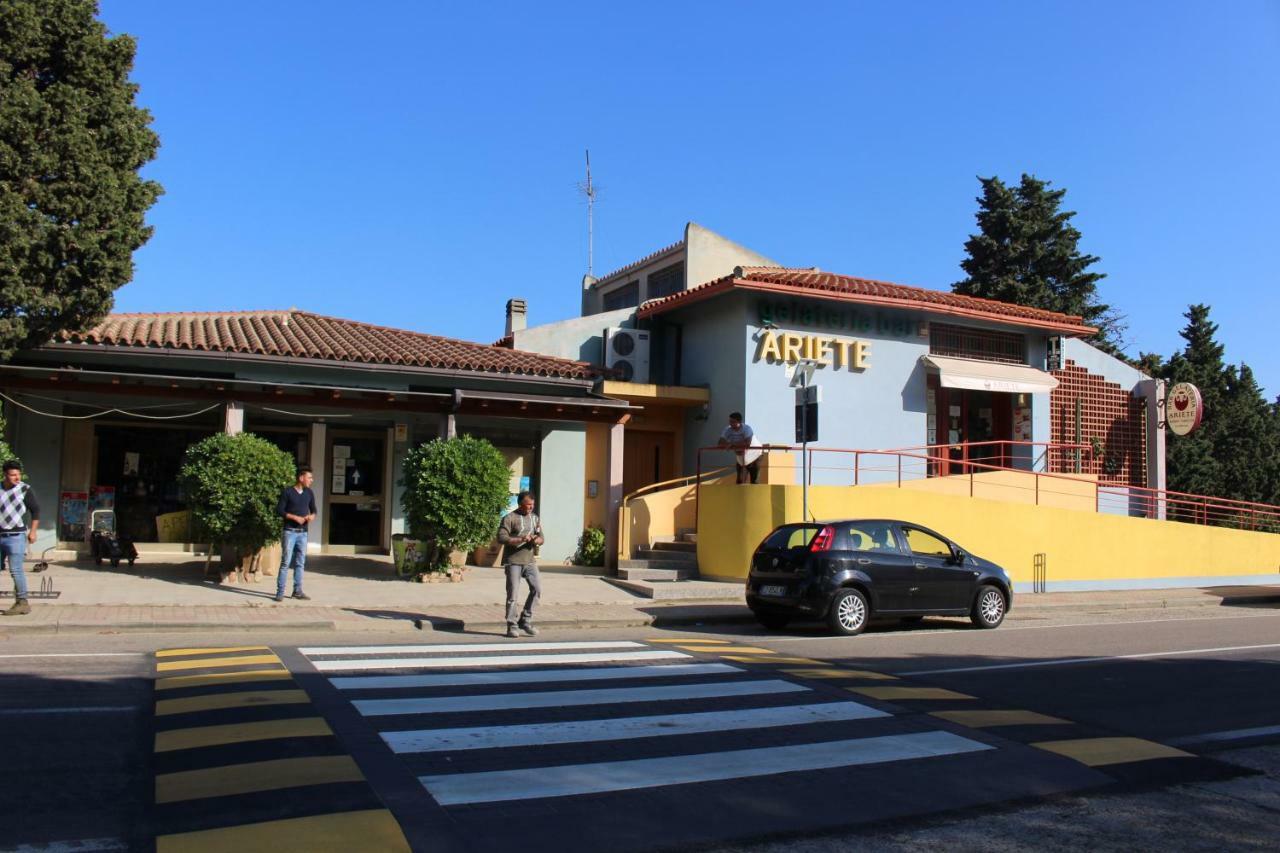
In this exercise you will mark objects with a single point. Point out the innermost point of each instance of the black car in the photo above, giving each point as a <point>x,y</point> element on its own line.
<point>846,572</point>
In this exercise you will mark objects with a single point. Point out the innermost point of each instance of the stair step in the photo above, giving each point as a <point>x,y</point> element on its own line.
<point>646,563</point>
<point>679,558</point>
<point>652,574</point>
<point>689,537</point>
<point>689,547</point>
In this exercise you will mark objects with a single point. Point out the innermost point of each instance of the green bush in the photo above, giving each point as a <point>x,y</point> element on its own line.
<point>590,548</point>
<point>6,452</point>
<point>233,483</point>
<point>455,491</point>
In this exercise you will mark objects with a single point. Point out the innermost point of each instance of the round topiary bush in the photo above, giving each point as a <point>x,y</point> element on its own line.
<point>454,493</point>
<point>232,484</point>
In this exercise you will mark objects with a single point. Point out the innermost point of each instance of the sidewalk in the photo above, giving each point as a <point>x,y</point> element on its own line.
<point>363,594</point>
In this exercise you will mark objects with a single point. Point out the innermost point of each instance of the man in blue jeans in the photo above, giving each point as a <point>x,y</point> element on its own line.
<point>297,506</point>
<point>16,502</point>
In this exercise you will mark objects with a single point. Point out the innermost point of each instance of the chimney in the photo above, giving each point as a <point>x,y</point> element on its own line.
<point>516,311</point>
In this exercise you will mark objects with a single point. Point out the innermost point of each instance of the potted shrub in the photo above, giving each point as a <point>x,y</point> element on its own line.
<point>454,493</point>
<point>233,483</point>
<point>590,548</point>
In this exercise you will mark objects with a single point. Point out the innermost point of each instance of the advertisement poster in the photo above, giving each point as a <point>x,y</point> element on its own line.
<point>102,497</point>
<point>73,513</point>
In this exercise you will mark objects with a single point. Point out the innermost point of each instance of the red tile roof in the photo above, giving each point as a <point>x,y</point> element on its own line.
<point>825,285</point>
<point>300,334</point>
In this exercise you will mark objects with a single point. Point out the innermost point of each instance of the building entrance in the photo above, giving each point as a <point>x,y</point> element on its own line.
<point>976,427</point>
<point>357,488</point>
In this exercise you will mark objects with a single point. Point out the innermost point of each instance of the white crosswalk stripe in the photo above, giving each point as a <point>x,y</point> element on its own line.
<point>549,687</point>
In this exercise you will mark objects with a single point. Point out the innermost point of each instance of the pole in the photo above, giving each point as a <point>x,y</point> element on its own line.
<point>804,447</point>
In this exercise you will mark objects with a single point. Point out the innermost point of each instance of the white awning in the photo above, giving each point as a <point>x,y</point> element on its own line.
<point>989,375</point>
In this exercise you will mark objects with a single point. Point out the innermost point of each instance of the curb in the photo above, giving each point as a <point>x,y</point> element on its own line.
<point>1021,604</point>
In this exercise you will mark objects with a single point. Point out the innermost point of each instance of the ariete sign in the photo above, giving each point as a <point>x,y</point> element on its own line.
<point>1183,408</point>
<point>792,348</point>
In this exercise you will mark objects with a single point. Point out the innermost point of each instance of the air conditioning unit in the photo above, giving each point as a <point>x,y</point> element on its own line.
<point>627,351</point>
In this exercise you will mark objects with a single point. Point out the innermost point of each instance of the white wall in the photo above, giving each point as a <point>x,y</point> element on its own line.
<point>561,477</point>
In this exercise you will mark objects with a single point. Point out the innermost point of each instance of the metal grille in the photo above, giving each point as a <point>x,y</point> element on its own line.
<point>981,344</point>
<point>666,281</point>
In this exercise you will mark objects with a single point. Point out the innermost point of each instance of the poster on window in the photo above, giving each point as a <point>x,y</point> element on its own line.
<point>341,451</point>
<point>73,512</point>
<point>339,484</point>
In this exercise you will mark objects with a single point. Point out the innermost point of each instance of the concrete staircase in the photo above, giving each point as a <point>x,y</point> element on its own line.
<point>667,570</point>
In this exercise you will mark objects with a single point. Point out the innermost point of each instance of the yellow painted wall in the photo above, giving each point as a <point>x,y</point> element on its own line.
<point>1065,491</point>
<point>1080,546</point>
<point>597,468</point>
<point>659,514</point>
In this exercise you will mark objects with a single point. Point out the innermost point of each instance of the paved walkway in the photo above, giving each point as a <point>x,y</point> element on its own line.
<point>363,594</point>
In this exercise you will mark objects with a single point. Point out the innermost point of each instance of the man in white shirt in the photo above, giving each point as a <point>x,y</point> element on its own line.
<point>742,439</point>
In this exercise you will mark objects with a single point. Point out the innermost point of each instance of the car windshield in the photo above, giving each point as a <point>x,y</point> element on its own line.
<point>792,536</point>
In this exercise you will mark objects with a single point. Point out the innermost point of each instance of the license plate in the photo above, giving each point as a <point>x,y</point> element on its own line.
<point>775,591</point>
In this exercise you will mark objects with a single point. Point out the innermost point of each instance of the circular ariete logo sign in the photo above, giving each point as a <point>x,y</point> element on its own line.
<point>1183,408</point>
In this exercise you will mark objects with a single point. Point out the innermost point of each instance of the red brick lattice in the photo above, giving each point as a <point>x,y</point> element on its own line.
<point>1108,413</point>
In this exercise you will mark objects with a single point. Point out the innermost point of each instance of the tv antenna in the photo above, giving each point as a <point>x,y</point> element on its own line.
<point>589,191</point>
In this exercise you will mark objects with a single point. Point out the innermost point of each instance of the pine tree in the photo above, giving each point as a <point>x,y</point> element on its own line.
<point>1192,464</point>
<point>71,144</point>
<point>1027,252</point>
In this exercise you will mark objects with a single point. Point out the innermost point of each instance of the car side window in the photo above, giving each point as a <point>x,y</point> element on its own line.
<point>869,536</point>
<point>926,544</point>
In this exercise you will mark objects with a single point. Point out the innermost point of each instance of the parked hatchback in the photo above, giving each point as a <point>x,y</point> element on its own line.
<point>846,572</point>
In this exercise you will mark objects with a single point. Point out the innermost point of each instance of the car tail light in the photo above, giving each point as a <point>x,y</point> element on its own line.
<point>824,540</point>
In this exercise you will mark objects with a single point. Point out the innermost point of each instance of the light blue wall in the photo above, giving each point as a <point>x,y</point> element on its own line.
<point>579,338</point>
<point>1099,363</point>
<point>714,354</point>
<point>561,479</point>
<point>38,442</point>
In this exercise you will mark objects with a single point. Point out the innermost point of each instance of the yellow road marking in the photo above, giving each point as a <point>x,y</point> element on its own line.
<point>219,701</point>
<point>339,833</point>
<point>741,650</point>
<point>194,738</point>
<point>255,777</point>
<point>1100,751</point>
<point>169,653</point>
<point>699,642</point>
<point>175,681</point>
<point>772,659</point>
<point>987,719</point>
<point>831,672</point>
<point>209,663</point>
<point>895,692</point>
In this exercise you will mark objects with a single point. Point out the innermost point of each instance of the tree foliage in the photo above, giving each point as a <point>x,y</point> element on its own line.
<point>71,144</point>
<point>1027,252</point>
<point>233,483</point>
<point>455,491</point>
<point>590,547</point>
<point>6,452</point>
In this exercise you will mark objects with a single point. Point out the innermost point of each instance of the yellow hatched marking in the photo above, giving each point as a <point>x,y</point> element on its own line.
<point>365,830</point>
<point>169,653</point>
<point>988,719</point>
<point>849,674</point>
<point>740,650</point>
<point>195,738</point>
<point>699,642</point>
<point>773,659</point>
<point>1100,751</point>
<point>255,777</point>
<point>173,682</point>
<point>895,692</point>
<point>210,663</point>
<point>220,701</point>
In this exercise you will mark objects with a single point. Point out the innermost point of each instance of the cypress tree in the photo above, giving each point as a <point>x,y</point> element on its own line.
<point>1192,464</point>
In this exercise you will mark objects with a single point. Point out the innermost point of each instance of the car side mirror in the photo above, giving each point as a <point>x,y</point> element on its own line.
<point>957,556</point>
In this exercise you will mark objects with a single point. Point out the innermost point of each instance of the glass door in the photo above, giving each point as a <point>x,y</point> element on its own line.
<point>357,493</point>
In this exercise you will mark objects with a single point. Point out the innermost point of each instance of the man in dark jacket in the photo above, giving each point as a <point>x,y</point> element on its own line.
<point>297,506</point>
<point>521,533</point>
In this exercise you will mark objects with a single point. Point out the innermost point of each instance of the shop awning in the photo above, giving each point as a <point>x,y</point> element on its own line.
<point>989,375</point>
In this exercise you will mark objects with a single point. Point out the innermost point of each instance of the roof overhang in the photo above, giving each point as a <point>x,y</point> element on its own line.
<point>971,375</point>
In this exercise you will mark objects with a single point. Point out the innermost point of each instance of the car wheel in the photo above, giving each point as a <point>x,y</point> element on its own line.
<point>773,621</point>
<point>988,607</point>
<point>848,614</point>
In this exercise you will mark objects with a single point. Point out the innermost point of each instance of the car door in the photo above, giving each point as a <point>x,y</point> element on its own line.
<point>939,584</point>
<point>876,553</point>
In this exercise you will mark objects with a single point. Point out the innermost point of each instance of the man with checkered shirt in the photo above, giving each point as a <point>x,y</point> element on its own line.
<point>16,501</point>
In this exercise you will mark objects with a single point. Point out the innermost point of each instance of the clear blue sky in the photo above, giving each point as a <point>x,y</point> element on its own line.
<point>414,164</point>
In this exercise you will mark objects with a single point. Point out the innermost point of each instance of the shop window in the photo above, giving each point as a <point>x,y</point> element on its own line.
<point>666,281</point>
<point>627,296</point>
<point>979,344</point>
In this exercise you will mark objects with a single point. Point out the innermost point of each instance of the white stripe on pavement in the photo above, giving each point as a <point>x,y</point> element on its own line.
<point>102,709</point>
<point>565,698</point>
<point>80,845</point>
<point>79,655</point>
<point>539,782</point>
<point>1101,659</point>
<point>466,647</point>
<point>494,660</point>
<point>585,731</point>
<point>531,676</point>
<point>1233,734</point>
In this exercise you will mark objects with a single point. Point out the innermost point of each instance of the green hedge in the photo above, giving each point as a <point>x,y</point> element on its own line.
<point>233,483</point>
<point>455,491</point>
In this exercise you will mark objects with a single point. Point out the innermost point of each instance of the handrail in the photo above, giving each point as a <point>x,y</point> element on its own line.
<point>675,481</point>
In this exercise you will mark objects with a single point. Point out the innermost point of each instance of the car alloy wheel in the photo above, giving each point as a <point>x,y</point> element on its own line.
<point>848,612</point>
<point>988,611</point>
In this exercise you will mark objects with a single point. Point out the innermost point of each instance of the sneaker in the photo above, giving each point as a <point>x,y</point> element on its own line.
<point>512,633</point>
<point>279,597</point>
<point>301,596</point>
<point>21,608</point>
<point>528,629</point>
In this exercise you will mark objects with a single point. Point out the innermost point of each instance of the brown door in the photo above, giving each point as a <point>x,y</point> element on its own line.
<point>647,458</point>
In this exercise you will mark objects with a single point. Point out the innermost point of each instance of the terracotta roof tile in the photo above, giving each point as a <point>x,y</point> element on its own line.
<point>300,334</point>
<point>813,282</point>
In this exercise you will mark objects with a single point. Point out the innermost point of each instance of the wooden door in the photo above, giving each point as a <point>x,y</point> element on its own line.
<point>647,458</point>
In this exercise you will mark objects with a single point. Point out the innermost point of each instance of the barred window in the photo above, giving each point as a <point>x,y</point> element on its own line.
<point>981,344</point>
<point>627,296</point>
<point>666,281</point>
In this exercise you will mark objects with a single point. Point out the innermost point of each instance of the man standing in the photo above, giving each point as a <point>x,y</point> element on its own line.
<point>521,533</point>
<point>298,507</point>
<point>16,500</point>
<point>741,438</point>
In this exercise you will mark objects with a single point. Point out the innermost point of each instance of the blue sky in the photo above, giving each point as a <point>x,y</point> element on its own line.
<point>414,164</point>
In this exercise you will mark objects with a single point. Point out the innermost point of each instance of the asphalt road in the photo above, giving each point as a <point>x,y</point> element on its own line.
<point>77,712</point>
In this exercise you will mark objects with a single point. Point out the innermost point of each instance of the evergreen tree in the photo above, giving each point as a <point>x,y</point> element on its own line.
<point>1244,444</point>
<point>71,144</point>
<point>1027,252</point>
<point>1192,465</point>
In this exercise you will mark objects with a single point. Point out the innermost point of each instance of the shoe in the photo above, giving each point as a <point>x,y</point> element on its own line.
<point>279,596</point>
<point>512,633</point>
<point>301,596</point>
<point>21,608</point>
<point>528,629</point>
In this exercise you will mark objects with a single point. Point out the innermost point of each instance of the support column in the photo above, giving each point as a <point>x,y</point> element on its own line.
<point>1153,393</point>
<point>613,492</point>
<point>233,418</point>
<point>449,426</point>
<point>318,445</point>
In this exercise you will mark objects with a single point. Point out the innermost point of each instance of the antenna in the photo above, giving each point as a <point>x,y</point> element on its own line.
<point>589,190</point>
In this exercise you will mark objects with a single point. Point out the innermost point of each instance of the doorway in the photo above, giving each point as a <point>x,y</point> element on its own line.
<point>647,458</point>
<point>973,427</point>
<point>357,489</point>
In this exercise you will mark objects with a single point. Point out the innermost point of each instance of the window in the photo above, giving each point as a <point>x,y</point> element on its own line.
<point>792,536</point>
<point>980,344</point>
<point>666,281</point>
<point>627,296</point>
<point>869,536</point>
<point>926,544</point>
